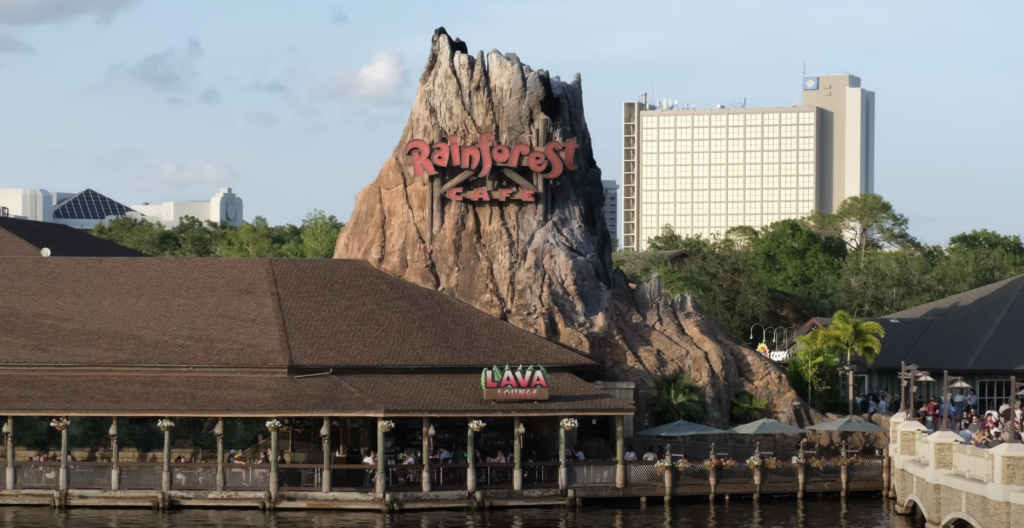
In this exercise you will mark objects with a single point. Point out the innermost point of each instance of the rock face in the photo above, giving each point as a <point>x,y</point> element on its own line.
<point>547,268</point>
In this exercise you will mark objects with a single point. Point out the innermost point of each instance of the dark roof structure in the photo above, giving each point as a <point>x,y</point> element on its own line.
<point>89,205</point>
<point>27,238</point>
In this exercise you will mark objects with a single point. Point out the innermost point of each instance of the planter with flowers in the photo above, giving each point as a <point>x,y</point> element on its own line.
<point>386,425</point>
<point>477,425</point>
<point>569,423</point>
<point>682,464</point>
<point>165,425</point>
<point>60,424</point>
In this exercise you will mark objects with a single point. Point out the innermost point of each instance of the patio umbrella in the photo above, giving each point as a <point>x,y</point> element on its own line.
<point>850,425</point>
<point>680,428</point>
<point>765,426</point>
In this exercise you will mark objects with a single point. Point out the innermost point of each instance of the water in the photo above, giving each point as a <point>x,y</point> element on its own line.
<point>781,513</point>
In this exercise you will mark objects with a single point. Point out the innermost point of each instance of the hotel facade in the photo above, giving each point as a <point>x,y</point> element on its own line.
<point>704,171</point>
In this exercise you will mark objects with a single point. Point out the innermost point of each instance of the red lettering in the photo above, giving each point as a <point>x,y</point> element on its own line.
<point>550,151</point>
<point>491,384</point>
<point>453,146</point>
<point>518,150</point>
<point>470,157</point>
<point>536,162</point>
<point>486,139</point>
<point>455,193</point>
<point>527,195</point>
<point>481,194</point>
<point>503,194</point>
<point>570,153</point>
<point>440,155</point>
<point>507,380</point>
<point>522,378</point>
<point>539,380</point>
<point>421,164</point>
<point>500,154</point>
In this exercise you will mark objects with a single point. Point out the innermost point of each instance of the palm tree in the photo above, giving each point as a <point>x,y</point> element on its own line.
<point>676,398</point>
<point>853,337</point>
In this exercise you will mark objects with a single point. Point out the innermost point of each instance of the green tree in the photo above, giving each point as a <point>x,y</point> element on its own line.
<point>746,408</point>
<point>865,221</point>
<point>194,239</point>
<point>850,336</point>
<point>668,240</point>
<point>320,234</point>
<point>812,365</point>
<point>254,239</point>
<point>676,398</point>
<point>141,235</point>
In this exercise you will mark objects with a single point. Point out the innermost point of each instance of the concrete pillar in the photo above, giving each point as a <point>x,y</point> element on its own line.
<point>166,480</point>
<point>620,457</point>
<point>886,468</point>
<point>9,440</point>
<point>757,482</point>
<point>668,485</point>
<point>844,476</point>
<point>712,479</point>
<point>273,465</point>
<point>381,466</point>
<point>425,478</point>
<point>517,471</point>
<point>325,478</point>
<point>563,472</point>
<point>115,458</point>
<point>64,459</point>
<point>801,475</point>
<point>471,460</point>
<point>218,430</point>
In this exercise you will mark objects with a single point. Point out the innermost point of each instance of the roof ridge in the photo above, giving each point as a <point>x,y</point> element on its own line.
<point>993,285</point>
<point>282,326</point>
<point>995,324</point>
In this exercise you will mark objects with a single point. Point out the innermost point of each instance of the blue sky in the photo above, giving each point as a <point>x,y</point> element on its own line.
<point>297,104</point>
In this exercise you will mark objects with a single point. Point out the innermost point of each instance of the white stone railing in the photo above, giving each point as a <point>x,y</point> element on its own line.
<point>972,462</point>
<point>923,451</point>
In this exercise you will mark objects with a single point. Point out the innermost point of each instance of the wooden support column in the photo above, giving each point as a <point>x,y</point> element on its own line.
<point>273,464</point>
<point>620,457</point>
<point>381,468</point>
<point>471,460</point>
<point>517,472</point>
<point>218,431</point>
<point>563,472</point>
<point>115,465</point>
<point>166,480</point>
<point>9,444</point>
<point>425,477</point>
<point>325,435</point>
<point>64,459</point>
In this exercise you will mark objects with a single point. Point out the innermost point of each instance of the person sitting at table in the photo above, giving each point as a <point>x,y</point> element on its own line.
<point>661,454</point>
<point>443,455</point>
<point>460,456</point>
<point>630,455</point>
<point>579,453</point>
<point>370,459</point>
<point>500,458</point>
<point>262,459</point>
<point>649,455</point>
<point>280,456</point>
<point>179,474</point>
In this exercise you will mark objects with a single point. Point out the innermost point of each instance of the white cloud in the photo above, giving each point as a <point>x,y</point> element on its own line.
<point>9,44</point>
<point>166,71</point>
<point>380,80</point>
<point>27,12</point>
<point>195,173</point>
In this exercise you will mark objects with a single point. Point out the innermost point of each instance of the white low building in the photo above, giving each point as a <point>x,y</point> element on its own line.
<point>225,206</point>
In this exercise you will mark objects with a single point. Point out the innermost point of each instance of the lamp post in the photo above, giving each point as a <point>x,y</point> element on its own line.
<point>903,388</point>
<point>913,390</point>
<point>218,431</point>
<point>944,406</point>
<point>1011,437</point>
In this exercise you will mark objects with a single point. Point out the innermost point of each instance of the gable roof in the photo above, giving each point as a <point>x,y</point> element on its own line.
<point>26,238</point>
<point>90,205</point>
<point>258,313</point>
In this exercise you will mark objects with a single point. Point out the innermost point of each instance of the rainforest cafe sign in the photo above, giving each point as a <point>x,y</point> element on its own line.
<point>549,162</point>
<point>530,383</point>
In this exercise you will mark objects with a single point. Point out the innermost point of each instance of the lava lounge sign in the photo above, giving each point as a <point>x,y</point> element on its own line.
<point>486,159</point>
<point>530,383</point>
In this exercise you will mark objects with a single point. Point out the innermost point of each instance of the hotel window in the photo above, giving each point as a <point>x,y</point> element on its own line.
<point>736,120</point>
<point>718,120</point>
<point>807,118</point>
<point>806,156</point>
<point>718,158</point>
<point>771,131</point>
<point>718,133</point>
<point>789,144</point>
<point>735,145</point>
<point>683,221</point>
<point>736,132</point>
<point>665,221</point>
<point>753,195</point>
<point>667,121</point>
<point>718,145</point>
<point>753,157</point>
<point>718,195</point>
<point>753,144</point>
<point>684,159</point>
<point>701,158</point>
<point>684,133</point>
<point>649,146</point>
<point>666,134</point>
<point>735,220</point>
<point>771,207</point>
<point>684,121</point>
<point>683,208</point>
<point>788,207</point>
<point>649,196</point>
<point>718,171</point>
<point>665,196</point>
<point>753,132</point>
<point>770,169</point>
<point>701,221</point>
<point>684,146</point>
<point>736,157</point>
<point>771,144</point>
<point>771,119</point>
<point>788,169</point>
<point>700,121</point>
<point>753,220</point>
<point>806,143</point>
<point>666,209</point>
<point>684,196</point>
<point>649,182</point>
<point>735,198</point>
<point>789,181</point>
<point>789,118</point>
<point>753,119</point>
<point>700,183</point>
<point>700,170</point>
<point>754,183</point>
<point>806,207</point>
<point>788,195</point>
<point>666,159</point>
<point>717,183</point>
<point>805,195</point>
<point>683,181</point>
<point>735,170</point>
<point>789,131</point>
<point>735,183</point>
<point>700,133</point>
<point>717,208</point>
<point>666,184</point>
<point>789,156</point>
<point>806,181</point>
<point>700,197</point>
<point>769,219</point>
<point>753,170</point>
<point>700,146</point>
<point>770,182</point>
<point>807,130</point>
<point>666,146</point>
<point>649,159</point>
<point>806,168</point>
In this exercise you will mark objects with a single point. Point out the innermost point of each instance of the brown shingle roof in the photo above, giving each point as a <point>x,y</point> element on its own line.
<point>25,238</point>
<point>246,312</point>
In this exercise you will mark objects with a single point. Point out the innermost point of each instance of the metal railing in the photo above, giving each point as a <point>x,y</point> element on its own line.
<point>89,475</point>
<point>36,475</point>
<point>785,471</point>
<point>643,472</point>
<point>191,476</point>
<point>870,468</point>
<point>739,471</point>
<point>591,473</point>
<point>827,469</point>
<point>141,475</point>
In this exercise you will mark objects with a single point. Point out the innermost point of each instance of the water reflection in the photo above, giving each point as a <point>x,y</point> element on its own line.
<point>766,513</point>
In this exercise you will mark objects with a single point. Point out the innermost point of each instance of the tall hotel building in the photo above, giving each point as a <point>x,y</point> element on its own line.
<point>704,171</point>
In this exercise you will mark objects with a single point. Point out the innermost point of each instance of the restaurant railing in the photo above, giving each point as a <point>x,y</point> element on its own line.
<point>643,472</point>
<point>141,475</point>
<point>89,475</point>
<point>870,468</point>
<point>494,475</point>
<point>739,471</point>
<point>193,476</point>
<point>36,475</point>
<point>822,468</point>
<point>344,477</point>
<point>591,473</point>
<point>695,472</point>
<point>238,477</point>
<point>540,474</point>
<point>785,471</point>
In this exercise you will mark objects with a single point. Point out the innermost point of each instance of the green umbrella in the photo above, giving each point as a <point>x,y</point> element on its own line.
<point>765,426</point>
<point>680,428</point>
<point>850,425</point>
